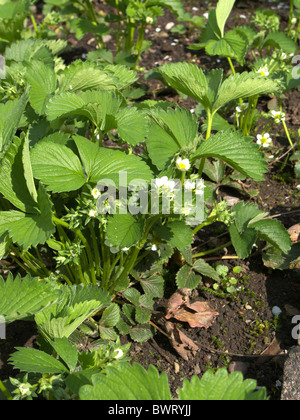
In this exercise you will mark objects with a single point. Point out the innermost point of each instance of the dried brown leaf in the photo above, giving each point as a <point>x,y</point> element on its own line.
<point>197,314</point>
<point>179,298</point>
<point>294,232</point>
<point>184,346</point>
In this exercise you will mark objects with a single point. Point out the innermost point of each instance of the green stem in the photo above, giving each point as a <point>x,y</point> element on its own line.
<point>212,251</point>
<point>231,65</point>
<point>5,391</point>
<point>291,16</point>
<point>131,262</point>
<point>34,24</point>
<point>209,222</point>
<point>96,249</point>
<point>93,17</point>
<point>139,44</point>
<point>210,117</point>
<point>287,134</point>
<point>77,232</point>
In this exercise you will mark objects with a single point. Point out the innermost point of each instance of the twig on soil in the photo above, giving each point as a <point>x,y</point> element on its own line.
<point>226,257</point>
<point>283,214</point>
<point>276,160</point>
<point>206,348</point>
<point>157,348</point>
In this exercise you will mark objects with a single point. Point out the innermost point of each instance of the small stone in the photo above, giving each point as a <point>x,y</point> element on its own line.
<point>276,311</point>
<point>169,26</point>
<point>107,38</point>
<point>176,367</point>
<point>197,370</point>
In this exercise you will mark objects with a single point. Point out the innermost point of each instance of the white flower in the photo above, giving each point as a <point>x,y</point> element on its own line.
<point>149,20</point>
<point>278,116</point>
<point>93,213</point>
<point>119,354</point>
<point>183,164</point>
<point>125,249</point>
<point>243,107</point>
<point>189,185</point>
<point>264,71</point>
<point>294,21</point>
<point>200,187</point>
<point>283,56</point>
<point>165,183</point>
<point>154,247</point>
<point>96,193</point>
<point>186,211</point>
<point>264,140</point>
<point>206,15</point>
<point>24,389</point>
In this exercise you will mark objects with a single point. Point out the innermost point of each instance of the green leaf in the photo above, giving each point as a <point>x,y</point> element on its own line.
<point>175,6</point>
<point>16,179</point>
<point>169,133</point>
<point>178,234</point>
<point>236,151</point>
<point>76,380</point>
<point>141,333</point>
<point>153,286</point>
<point>109,164</point>
<point>243,85</point>
<point>124,230</point>
<point>281,41</point>
<point>27,229</point>
<point>10,117</point>
<point>42,80</point>
<point>81,76</point>
<point>273,232</point>
<point>221,386</point>
<point>223,10</point>
<point>103,163</point>
<point>132,126</point>
<point>245,213</point>
<point>110,316</point>
<point>233,45</point>
<point>80,303</point>
<point>186,78</point>
<point>205,269</point>
<point>57,167</point>
<point>274,258</point>
<point>243,242</point>
<point>36,361</point>
<point>125,382</point>
<point>187,278</point>
<point>123,76</point>
<point>66,351</point>
<point>22,298</point>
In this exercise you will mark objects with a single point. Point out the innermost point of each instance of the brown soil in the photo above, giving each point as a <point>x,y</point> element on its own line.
<point>245,325</point>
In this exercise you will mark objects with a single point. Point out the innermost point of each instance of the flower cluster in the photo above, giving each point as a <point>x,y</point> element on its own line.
<point>278,116</point>
<point>264,140</point>
<point>242,108</point>
<point>183,164</point>
<point>263,71</point>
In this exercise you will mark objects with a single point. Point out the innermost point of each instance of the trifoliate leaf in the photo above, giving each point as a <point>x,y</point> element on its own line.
<point>236,151</point>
